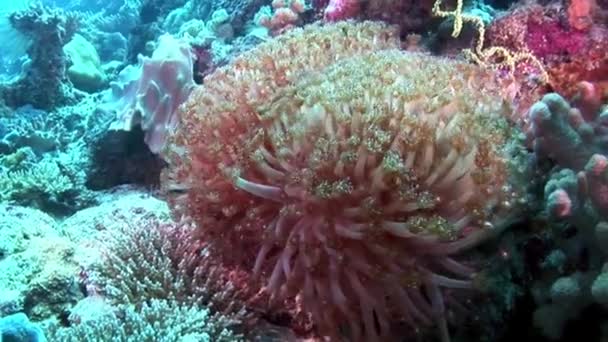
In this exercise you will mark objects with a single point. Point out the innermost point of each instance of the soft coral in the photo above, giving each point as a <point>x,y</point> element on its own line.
<point>150,93</point>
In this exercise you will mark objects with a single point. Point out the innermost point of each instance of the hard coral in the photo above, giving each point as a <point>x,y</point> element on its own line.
<point>151,260</point>
<point>44,82</point>
<point>573,137</point>
<point>576,139</point>
<point>284,15</point>
<point>345,174</point>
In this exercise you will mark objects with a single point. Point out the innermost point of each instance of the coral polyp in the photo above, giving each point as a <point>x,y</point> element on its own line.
<point>351,188</point>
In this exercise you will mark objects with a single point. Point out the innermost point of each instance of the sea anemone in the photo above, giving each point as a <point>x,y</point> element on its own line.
<point>346,187</point>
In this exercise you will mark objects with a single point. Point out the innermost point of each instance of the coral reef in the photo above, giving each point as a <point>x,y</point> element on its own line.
<point>440,173</point>
<point>158,320</point>
<point>91,272</point>
<point>44,158</point>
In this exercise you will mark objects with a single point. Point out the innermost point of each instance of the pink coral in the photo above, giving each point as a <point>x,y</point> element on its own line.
<point>595,182</point>
<point>285,15</point>
<point>580,14</point>
<point>341,10</point>
<point>548,38</point>
<point>569,55</point>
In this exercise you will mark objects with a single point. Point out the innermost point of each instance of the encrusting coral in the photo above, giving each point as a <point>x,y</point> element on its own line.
<point>346,174</point>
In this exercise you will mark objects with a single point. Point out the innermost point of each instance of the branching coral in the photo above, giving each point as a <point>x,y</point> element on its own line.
<point>346,174</point>
<point>55,185</point>
<point>150,261</point>
<point>158,320</point>
<point>181,271</point>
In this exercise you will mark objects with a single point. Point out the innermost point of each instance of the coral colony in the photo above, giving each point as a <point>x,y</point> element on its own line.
<point>304,170</point>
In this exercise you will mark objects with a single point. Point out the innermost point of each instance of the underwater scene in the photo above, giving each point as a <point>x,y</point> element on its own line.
<point>304,170</point>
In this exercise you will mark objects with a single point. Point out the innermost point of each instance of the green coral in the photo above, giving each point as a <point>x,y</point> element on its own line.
<point>85,72</point>
<point>53,183</point>
<point>44,178</point>
<point>13,160</point>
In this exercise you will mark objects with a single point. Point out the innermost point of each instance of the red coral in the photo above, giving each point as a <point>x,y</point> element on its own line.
<point>569,55</point>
